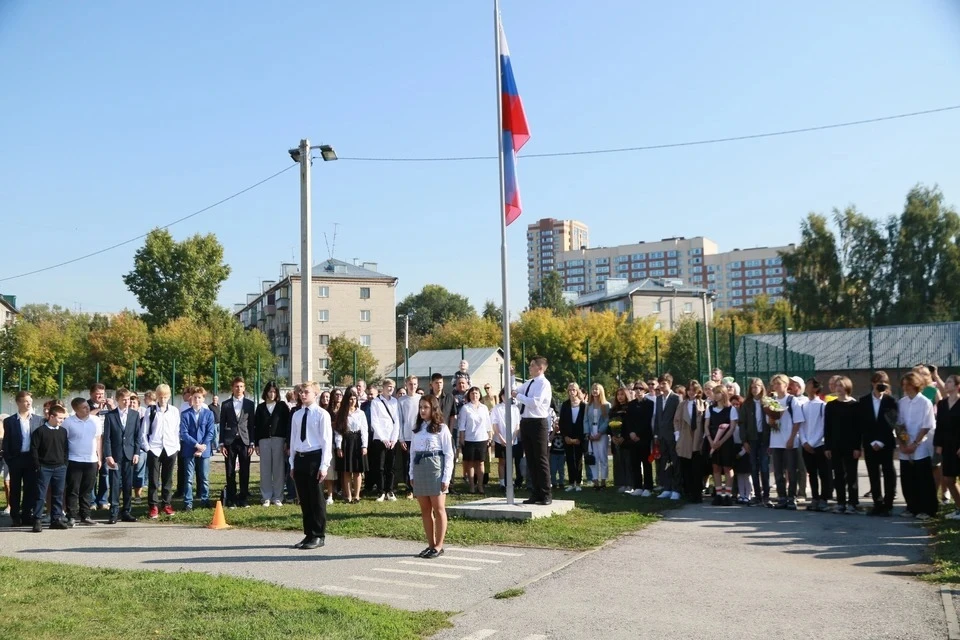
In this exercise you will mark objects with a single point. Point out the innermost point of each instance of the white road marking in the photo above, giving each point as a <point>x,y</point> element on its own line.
<point>482,560</point>
<point>399,583</point>
<point>449,576</point>
<point>480,635</point>
<point>439,564</point>
<point>369,594</point>
<point>491,553</point>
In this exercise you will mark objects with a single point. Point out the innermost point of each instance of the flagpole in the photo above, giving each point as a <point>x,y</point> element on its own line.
<point>507,386</point>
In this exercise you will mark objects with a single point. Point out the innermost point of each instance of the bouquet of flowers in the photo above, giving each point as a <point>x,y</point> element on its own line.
<point>615,425</point>
<point>654,452</point>
<point>773,410</point>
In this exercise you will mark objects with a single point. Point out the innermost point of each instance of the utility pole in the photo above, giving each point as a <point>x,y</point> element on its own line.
<point>306,266</point>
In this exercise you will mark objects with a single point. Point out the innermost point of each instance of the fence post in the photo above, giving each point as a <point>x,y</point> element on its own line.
<point>870,340</point>
<point>523,354</point>
<point>354,367</point>
<point>216,377</point>
<point>134,376</point>
<point>20,378</point>
<point>716,349</point>
<point>406,362</point>
<point>783,330</point>
<point>256,400</point>
<point>98,374</point>
<point>462,353</point>
<point>28,377</point>
<point>173,379</point>
<point>1,389</point>
<point>733,349</point>
<point>656,355</point>
<point>699,357</point>
<point>60,384</point>
<point>589,368</point>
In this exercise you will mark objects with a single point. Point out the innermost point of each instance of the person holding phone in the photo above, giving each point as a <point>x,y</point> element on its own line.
<point>877,416</point>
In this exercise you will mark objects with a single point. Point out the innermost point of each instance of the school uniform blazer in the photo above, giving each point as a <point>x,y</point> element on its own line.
<point>639,420</point>
<point>196,429</point>
<point>233,426</point>
<point>275,424</point>
<point>876,428</point>
<point>570,428</point>
<point>691,431</point>
<point>664,427</point>
<point>13,438</point>
<point>747,423</point>
<point>121,441</point>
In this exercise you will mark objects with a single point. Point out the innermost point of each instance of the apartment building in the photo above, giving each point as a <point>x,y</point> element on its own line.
<point>665,300</point>
<point>350,299</point>
<point>8,310</point>
<point>545,239</point>
<point>735,277</point>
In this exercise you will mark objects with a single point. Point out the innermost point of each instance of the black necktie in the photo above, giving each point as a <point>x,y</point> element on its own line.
<point>303,426</point>
<point>526,392</point>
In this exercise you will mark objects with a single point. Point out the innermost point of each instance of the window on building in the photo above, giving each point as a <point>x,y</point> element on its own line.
<point>366,341</point>
<point>656,306</point>
<point>753,263</point>
<point>365,315</point>
<point>733,265</point>
<point>324,338</point>
<point>638,256</point>
<point>655,254</point>
<point>673,254</point>
<point>671,272</point>
<point>688,307</point>
<point>657,273</point>
<point>324,292</point>
<point>364,293</point>
<point>696,251</point>
<point>697,260</point>
<point>324,363</point>
<point>671,263</point>
<point>323,315</point>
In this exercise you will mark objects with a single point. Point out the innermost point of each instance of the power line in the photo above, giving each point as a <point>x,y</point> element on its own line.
<point>144,235</point>
<point>670,145</point>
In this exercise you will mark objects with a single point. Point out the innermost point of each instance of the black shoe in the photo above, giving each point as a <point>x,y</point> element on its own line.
<point>37,527</point>
<point>433,553</point>
<point>727,500</point>
<point>879,512</point>
<point>545,502</point>
<point>126,517</point>
<point>423,554</point>
<point>88,521</point>
<point>56,524</point>
<point>300,544</point>
<point>112,520</point>
<point>188,509</point>
<point>530,501</point>
<point>312,543</point>
<point>178,495</point>
<point>717,501</point>
<point>242,503</point>
<point>205,504</point>
<point>791,506</point>
<point>15,522</point>
<point>71,523</point>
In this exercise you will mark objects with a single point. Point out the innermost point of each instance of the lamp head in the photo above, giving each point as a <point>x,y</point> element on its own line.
<point>327,153</point>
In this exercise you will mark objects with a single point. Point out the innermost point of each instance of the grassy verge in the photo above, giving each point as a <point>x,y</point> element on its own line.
<point>945,549</point>
<point>598,517</point>
<point>184,605</point>
<point>509,593</point>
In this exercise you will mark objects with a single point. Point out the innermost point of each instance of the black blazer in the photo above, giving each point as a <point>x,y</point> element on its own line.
<point>121,441</point>
<point>664,427</point>
<point>215,409</point>
<point>569,428</point>
<point>876,428</point>
<point>233,426</point>
<point>13,438</point>
<point>639,420</point>
<point>272,425</point>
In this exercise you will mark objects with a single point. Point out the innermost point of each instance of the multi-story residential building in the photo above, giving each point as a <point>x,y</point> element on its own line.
<point>667,301</point>
<point>736,277</point>
<point>8,310</point>
<point>545,239</point>
<point>354,300</point>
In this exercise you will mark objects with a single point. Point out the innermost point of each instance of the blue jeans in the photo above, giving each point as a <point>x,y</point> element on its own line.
<point>54,478</point>
<point>557,463</point>
<point>760,465</point>
<point>140,472</point>
<point>103,486</point>
<point>199,469</point>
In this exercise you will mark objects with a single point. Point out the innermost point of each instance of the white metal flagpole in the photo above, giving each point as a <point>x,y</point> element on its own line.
<point>507,377</point>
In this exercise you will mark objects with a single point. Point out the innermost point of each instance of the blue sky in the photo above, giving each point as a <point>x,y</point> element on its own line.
<point>120,116</point>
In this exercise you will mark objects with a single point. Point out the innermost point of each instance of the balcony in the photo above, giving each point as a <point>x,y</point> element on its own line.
<point>270,309</point>
<point>283,303</point>
<point>282,350</point>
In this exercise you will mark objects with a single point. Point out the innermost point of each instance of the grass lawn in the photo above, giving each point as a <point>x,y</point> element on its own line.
<point>598,517</point>
<point>945,549</point>
<point>48,600</point>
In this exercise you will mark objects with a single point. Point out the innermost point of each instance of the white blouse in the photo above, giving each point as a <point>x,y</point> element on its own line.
<point>474,423</point>
<point>498,417</point>
<point>426,441</point>
<point>917,415</point>
<point>356,421</point>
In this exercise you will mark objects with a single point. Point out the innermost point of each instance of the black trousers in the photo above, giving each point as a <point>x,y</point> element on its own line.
<point>877,462</point>
<point>23,487</point>
<point>237,451</point>
<point>405,465</point>
<point>306,467</point>
<point>641,466</point>
<point>574,456</point>
<point>536,448</point>
<point>691,469</point>
<point>919,488</point>
<point>81,478</point>
<point>845,479</point>
<point>121,481</point>
<point>381,459</point>
<point>160,470</point>
<point>181,475</point>
<point>818,467</point>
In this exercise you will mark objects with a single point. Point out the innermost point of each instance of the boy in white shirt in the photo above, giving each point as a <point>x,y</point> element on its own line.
<point>813,450</point>
<point>83,461</point>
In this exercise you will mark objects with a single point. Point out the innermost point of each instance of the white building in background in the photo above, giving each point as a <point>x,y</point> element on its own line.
<point>546,238</point>
<point>350,299</point>
<point>8,310</point>
<point>667,301</point>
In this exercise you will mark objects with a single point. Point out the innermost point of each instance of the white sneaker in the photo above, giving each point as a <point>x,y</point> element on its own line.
<point>645,493</point>
<point>577,488</point>
<point>278,503</point>
<point>953,516</point>
<point>569,488</point>
<point>665,495</point>
<point>391,497</point>
<point>381,497</point>
<point>6,511</point>
<point>675,495</point>
<point>329,499</point>
<point>922,517</point>
<point>265,503</point>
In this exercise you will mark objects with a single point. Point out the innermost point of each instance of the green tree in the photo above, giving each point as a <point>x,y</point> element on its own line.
<point>184,341</point>
<point>432,307</point>
<point>116,345</point>
<point>171,279</point>
<point>864,254</point>
<point>680,356</point>
<point>492,312</point>
<point>341,352</point>
<point>817,276</point>
<point>550,294</point>
<point>464,332</point>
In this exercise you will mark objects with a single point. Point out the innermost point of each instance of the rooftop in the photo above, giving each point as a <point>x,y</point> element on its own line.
<point>617,288</point>
<point>334,268</point>
<point>446,361</point>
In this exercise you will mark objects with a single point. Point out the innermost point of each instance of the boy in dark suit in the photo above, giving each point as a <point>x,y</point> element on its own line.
<point>121,451</point>
<point>877,415</point>
<point>17,430</point>
<point>236,442</point>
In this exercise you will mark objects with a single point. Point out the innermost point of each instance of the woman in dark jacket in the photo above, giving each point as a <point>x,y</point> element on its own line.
<point>572,413</point>
<point>946,439</point>
<point>638,428</point>
<point>271,430</point>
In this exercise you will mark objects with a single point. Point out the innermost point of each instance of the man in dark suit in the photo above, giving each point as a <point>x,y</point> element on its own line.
<point>879,443</point>
<point>236,442</point>
<point>121,451</point>
<point>17,430</point>
<point>668,464</point>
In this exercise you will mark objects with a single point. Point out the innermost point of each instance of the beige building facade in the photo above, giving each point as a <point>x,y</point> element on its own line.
<point>666,301</point>
<point>546,238</point>
<point>353,300</point>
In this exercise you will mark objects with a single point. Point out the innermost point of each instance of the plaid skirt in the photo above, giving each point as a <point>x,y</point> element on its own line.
<point>427,473</point>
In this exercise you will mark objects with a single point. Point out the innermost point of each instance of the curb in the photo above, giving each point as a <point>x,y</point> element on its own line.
<point>953,625</point>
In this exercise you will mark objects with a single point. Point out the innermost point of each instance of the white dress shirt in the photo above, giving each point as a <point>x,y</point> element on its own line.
<point>166,431</point>
<point>82,437</point>
<point>498,418</point>
<point>426,441</point>
<point>25,433</point>
<point>319,435</point>
<point>473,422</point>
<point>409,415</point>
<point>535,396</point>
<point>356,421</point>
<point>761,421</point>
<point>917,415</point>
<point>811,431</point>
<point>385,419</point>
<point>793,412</point>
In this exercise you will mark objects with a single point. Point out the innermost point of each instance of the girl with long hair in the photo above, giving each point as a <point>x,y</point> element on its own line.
<point>431,467</point>
<point>597,427</point>
<point>350,436</point>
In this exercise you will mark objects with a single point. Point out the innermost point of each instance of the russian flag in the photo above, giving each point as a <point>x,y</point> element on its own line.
<point>514,130</point>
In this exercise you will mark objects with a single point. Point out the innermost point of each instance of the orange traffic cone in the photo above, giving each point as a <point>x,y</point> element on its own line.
<point>219,521</point>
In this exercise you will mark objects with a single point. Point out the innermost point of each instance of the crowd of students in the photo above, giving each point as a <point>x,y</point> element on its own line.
<point>683,441</point>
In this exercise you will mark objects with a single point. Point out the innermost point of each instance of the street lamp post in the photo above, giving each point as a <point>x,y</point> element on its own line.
<point>302,156</point>
<point>406,343</point>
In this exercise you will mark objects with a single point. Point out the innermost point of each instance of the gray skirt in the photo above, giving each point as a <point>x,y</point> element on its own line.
<point>427,474</point>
